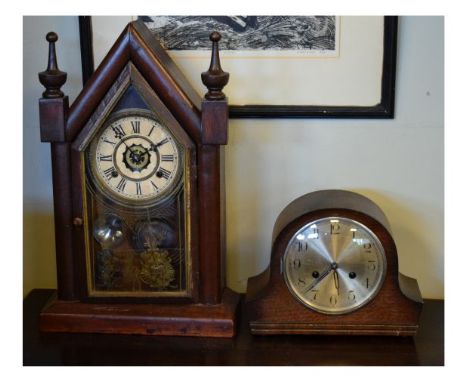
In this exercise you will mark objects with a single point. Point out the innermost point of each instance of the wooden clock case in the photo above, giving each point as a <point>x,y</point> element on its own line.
<point>137,59</point>
<point>273,310</point>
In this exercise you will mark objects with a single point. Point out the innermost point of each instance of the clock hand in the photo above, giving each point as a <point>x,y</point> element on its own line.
<point>336,280</point>
<point>154,147</point>
<point>128,147</point>
<point>136,155</point>
<point>146,150</point>
<point>324,274</point>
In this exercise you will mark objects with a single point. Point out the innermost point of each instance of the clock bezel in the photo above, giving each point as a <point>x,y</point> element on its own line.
<point>367,299</point>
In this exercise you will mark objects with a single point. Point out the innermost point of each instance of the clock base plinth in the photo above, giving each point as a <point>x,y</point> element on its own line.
<point>289,322</point>
<point>194,320</point>
<point>274,311</point>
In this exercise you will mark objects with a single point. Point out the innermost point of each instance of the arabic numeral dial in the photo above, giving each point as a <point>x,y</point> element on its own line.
<point>334,265</point>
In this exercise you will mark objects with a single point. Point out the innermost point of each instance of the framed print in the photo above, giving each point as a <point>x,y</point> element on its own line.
<point>284,66</point>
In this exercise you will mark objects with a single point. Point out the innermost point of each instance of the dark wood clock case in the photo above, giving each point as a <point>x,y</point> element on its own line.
<point>138,64</point>
<point>273,309</point>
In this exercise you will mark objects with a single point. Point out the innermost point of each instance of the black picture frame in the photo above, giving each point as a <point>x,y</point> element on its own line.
<point>384,109</point>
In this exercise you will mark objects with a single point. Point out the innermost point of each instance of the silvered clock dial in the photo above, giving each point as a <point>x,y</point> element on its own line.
<point>334,265</point>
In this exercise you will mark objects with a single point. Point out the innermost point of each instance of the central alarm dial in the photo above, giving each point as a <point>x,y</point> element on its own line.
<point>334,265</point>
<point>136,158</point>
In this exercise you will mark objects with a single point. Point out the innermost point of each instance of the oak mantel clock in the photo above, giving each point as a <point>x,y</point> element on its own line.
<point>138,195</point>
<point>333,270</point>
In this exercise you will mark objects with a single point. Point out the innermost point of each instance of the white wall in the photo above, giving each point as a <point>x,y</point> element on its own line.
<point>398,163</point>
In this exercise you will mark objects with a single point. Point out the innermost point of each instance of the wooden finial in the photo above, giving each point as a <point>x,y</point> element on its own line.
<point>52,78</point>
<point>215,79</point>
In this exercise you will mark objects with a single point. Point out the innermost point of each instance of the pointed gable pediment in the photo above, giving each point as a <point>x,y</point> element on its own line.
<point>128,91</point>
<point>138,46</point>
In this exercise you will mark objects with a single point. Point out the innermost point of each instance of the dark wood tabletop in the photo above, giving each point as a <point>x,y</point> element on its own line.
<point>426,348</point>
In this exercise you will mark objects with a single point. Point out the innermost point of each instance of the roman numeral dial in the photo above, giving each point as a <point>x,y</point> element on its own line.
<point>135,158</point>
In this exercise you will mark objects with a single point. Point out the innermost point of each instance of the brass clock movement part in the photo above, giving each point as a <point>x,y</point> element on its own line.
<point>154,240</point>
<point>156,269</point>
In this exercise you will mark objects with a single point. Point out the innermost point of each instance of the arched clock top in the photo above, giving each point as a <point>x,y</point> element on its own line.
<point>326,200</point>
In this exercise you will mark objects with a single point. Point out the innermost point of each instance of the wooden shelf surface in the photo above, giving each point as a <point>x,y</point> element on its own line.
<point>426,348</point>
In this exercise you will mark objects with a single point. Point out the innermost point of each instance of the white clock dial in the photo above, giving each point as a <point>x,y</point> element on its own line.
<point>135,158</point>
<point>334,265</point>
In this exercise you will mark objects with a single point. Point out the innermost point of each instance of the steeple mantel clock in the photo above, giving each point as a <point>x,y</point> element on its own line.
<point>138,195</point>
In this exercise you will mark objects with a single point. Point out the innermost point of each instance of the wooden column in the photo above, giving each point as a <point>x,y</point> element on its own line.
<point>53,112</point>
<point>211,179</point>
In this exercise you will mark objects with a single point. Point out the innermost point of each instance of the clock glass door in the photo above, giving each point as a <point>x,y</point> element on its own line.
<point>136,195</point>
